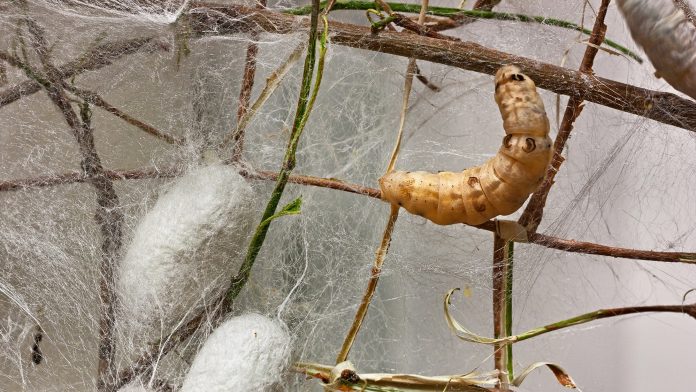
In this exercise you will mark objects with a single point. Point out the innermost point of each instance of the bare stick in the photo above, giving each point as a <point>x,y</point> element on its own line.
<point>371,286</point>
<point>272,82</point>
<point>663,107</point>
<point>498,306</point>
<point>532,215</point>
<point>245,91</point>
<point>534,238</point>
<point>96,58</point>
<point>383,249</point>
<point>108,215</point>
<point>96,100</point>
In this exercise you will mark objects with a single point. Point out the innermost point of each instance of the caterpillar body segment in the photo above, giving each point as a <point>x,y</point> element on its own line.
<point>520,105</point>
<point>501,185</point>
<point>668,39</point>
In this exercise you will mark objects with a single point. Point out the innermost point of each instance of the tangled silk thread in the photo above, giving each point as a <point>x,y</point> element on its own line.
<point>668,39</point>
<point>502,184</point>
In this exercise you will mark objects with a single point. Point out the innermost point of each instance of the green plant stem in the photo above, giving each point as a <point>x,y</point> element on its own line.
<point>459,13</point>
<point>605,313</point>
<point>466,335</point>
<point>304,108</point>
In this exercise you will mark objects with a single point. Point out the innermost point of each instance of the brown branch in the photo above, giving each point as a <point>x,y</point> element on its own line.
<point>499,305</point>
<point>660,106</point>
<point>410,25</point>
<point>534,238</point>
<point>108,216</point>
<point>245,91</point>
<point>611,251</point>
<point>96,100</point>
<point>532,215</point>
<point>96,58</point>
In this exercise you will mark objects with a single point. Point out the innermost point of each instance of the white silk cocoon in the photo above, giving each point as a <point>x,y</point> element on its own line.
<point>246,353</point>
<point>668,39</point>
<point>184,251</point>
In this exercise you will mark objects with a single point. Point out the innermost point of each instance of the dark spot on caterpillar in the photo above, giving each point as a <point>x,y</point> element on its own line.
<point>518,99</point>
<point>517,77</point>
<point>506,141</point>
<point>480,207</point>
<point>473,181</point>
<point>530,145</point>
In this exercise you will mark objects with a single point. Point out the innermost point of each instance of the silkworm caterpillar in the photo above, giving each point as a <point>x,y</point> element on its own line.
<point>502,184</point>
<point>668,39</point>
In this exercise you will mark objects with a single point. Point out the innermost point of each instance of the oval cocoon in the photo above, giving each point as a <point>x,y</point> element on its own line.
<point>183,252</point>
<point>246,353</point>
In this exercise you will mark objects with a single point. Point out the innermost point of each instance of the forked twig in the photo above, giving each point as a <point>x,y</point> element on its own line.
<point>245,90</point>
<point>272,83</point>
<point>96,58</point>
<point>660,106</point>
<point>532,215</point>
<point>97,100</point>
<point>108,215</point>
<point>383,249</point>
<point>527,237</point>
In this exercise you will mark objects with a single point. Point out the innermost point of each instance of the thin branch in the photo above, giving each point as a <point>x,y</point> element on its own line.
<point>532,215</point>
<point>465,16</point>
<point>611,251</point>
<point>245,91</point>
<point>350,380</point>
<point>305,104</point>
<point>272,82</point>
<point>96,100</point>
<point>498,271</point>
<point>465,334</point>
<point>108,215</point>
<point>383,249</point>
<point>689,310</point>
<point>533,238</point>
<point>375,273</point>
<point>660,106</point>
<point>96,58</point>
<point>509,264</point>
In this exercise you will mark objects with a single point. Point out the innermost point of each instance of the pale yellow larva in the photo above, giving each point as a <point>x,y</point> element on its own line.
<point>502,184</point>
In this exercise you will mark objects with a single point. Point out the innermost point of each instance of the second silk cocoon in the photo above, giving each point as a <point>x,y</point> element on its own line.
<point>184,251</point>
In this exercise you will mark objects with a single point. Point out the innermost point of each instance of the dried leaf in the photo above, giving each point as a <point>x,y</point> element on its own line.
<point>462,333</point>
<point>561,375</point>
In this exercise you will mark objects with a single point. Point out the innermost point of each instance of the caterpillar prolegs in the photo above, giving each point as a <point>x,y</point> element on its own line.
<point>502,184</point>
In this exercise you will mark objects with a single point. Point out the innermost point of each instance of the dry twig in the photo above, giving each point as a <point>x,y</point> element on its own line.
<point>532,215</point>
<point>108,215</point>
<point>663,107</point>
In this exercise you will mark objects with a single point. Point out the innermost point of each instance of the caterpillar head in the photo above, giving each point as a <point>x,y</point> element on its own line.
<point>520,105</point>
